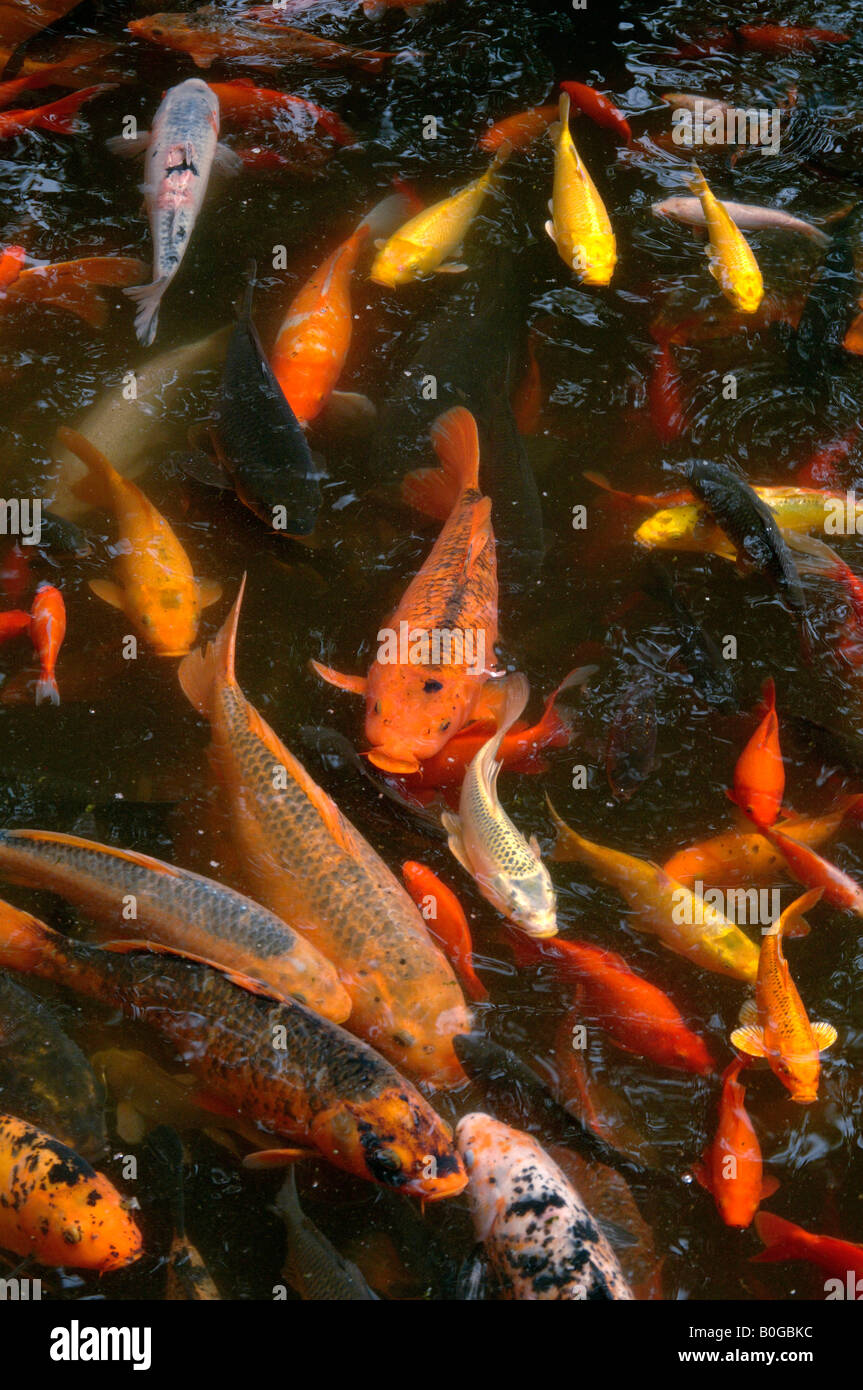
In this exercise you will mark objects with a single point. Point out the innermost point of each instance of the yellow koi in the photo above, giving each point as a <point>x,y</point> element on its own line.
<point>732,263</point>
<point>689,525</point>
<point>579,226</point>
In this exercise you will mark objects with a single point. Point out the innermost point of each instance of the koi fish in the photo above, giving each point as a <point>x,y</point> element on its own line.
<point>312,1266</point>
<point>147,1096</point>
<point>785,1241</point>
<point>732,1169</point>
<point>57,1210</point>
<point>759,774</point>
<point>579,227</point>
<point>315,335</point>
<point>665,397</point>
<point>529,395</point>
<point>209,35</point>
<point>732,263</point>
<point>258,438</point>
<point>13,623</point>
<point>704,662</point>
<point>814,871</point>
<point>637,1015</point>
<point>776,38</point>
<point>417,700</point>
<point>752,529</point>
<point>775,1025</point>
<point>12,259</point>
<point>181,149</point>
<point>444,916</point>
<point>541,1240</point>
<point>324,1087</point>
<point>665,908</point>
<point>45,1078</point>
<point>747,216</point>
<point>47,630</point>
<point>241,102</point>
<point>72,285</point>
<point>598,107</point>
<point>688,526</point>
<point>20,22</point>
<point>58,117</point>
<point>308,864</point>
<point>519,751</point>
<point>177,908</point>
<point>157,591</point>
<point>736,857</point>
<point>506,868</point>
<point>428,241</point>
<point>519,130</point>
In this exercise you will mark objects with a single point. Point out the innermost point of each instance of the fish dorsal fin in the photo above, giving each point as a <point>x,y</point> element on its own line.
<point>825,1035</point>
<point>749,1040</point>
<point>130,856</point>
<point>480,533</point>
<point>156,948</point>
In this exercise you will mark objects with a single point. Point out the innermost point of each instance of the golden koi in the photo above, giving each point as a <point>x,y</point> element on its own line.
<point>732,263</point>
<point>579,226</point>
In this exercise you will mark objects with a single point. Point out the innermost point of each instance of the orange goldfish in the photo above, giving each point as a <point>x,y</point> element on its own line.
<point>157,591</point>
<point>58,117</point>
<point>446,922</point>
<point>759,776</point>
<point>12,259</point>
<point>737,857</point>
<point>437,651</point>
<point>55,1209</point>
<point>814,871</point>
<point>47,630</point>
<point>68,285</point>
<point>307,863</point>
<point>732,1169</point>
<point>776,1025</point>
<point>785,1241</point>
<point>241,102</point>
<point>598,107</point>
<point>519,130</point>
<point>209,35</point>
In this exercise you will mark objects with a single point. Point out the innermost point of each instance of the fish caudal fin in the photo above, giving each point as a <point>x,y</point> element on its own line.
<point>95,487</point>
<point>781,1238</point>
<point>24,940</point>
<point>59,117</point>
<point>203,670</point>
<point>456,443</point>
<point>47,689</point>
<point>517,692</point>
<point>148,298</point>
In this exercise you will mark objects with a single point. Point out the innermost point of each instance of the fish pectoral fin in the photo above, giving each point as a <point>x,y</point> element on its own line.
<point>356,685</point>
<point>380,243</point>
<point>452,268</point>
<point>549,227</point>
<point>825,1035</point>
<point>127,149</point>
<point>275,1158</point>
<point>226,161</point>
<point>109,592</point>
<point>700,1174</point>
<point>748,1012</point>
<point>208,592</point>
<point>750,1040</point>
<point>768,1187</point>
<point>452,825</point>
<point>533,844</point>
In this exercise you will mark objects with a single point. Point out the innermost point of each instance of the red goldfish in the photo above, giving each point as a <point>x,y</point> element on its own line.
<point>47,629</point>
<point>598,107</point>
<point>58,117</point>
<point>446,923</point>
<point>732,1169</point>
<point>785,1241</point>
<point>69,285</point>
<point>759,776</point>
<point>242,103</point>
<point>814,871</point>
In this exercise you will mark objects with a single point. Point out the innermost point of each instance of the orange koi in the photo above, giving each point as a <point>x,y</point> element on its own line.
<point>419,695</point>
<point>47,630</point>
<point>12,259</point>
<point>775,1025</point>
<point>241,102</point>
<point>759,775</point>
<point>785,1241</point>
<point>58,117</point>
<point>732,1169</point>
<point>56,1209</point>
<point>813,871</point>
<point>13,623</point>
<point>446,922</point>
<point>70,285</point>
<point>598,107</point>
<point>737,857</point>
<point>19,22</point>
<point>520,130</point>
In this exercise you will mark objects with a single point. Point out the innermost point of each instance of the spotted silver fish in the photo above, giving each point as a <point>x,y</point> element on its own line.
<point>539,1237</point>
<point>181,149</point>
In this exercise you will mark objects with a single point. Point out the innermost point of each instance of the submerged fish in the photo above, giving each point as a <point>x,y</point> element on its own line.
<point>258,437</point>
<point>736,856</point>
<point>55,1209</point>
<point>210,35</point>
<point>72,286</point>
<point>747,216</point>
<point>599,108</point>
<point>519,130</point>
<point>759,773</point>
<point>132,893</point>
<point>313,1267</point>
<point>732,1169</point>
<point>580,226</point>
<point>157,591</point>
<point>506,868</point>
<point>188,1279</point>
<point>776,1025</point>
<point>58,117</point>
<point>436,652</point>
<point>432,237</point>
<point>181,149</point>
<point>732,263</point>
<point>785,1241</point>
<point>306,861</point>
<point>20,22</point>
<point>44,1076</point>
<point>541,1240</point>
<point>445,918</point>
<point>277,1063</point>
<point>47,630</point>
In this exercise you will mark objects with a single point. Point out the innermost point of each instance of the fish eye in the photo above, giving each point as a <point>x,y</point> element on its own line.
<point>431,686</point>
<point>384,1164</point>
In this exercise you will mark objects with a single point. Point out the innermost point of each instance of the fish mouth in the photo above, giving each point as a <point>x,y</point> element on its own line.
<point>391,762</point>
<point>540,930</point>
<point>436,1189</point>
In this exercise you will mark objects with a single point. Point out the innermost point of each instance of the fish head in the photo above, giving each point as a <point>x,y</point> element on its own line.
<point>489,1150</point>
<point>170,30</point>
<point>747,291</point>
<point>685,526</point>
<point>394,1139</point>
<point>413,710</point>
<point>397,263</point>
<point>529,903</point>
<point>799,1074</point>
<point>595,259</point>
<point>168,616</point>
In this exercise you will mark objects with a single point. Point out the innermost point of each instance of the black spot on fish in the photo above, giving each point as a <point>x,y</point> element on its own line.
<point>431,686</point>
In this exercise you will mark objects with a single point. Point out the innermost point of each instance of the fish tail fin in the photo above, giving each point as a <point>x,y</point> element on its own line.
<point>148,298</point>
<point>95,487</point>
<point>516,693</point>
<point>793,921</point>
<point>60,115</point>
<point>387,215</point>
<point>456,443</point>
<point>206,668</point>
<point>24,941</point>
<point>563,108</point>
<point>696,182</point>
<point>820,558</point>
<point>502,154</point>
<point>47,689</point>
<point>552,721</point>
<point>781,1238</point>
